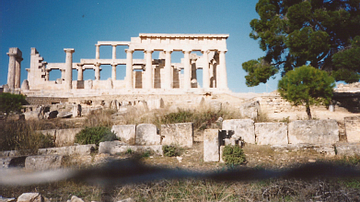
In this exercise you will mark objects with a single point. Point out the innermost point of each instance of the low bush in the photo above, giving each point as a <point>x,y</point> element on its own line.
<point>233,155</point>
<point>95,135</point>
<point>171,150</point>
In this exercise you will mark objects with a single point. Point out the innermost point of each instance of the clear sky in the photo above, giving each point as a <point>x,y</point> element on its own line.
<point>52,25</point>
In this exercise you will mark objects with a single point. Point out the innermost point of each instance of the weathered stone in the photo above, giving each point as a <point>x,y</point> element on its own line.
<point>44,162</point>
<point>32,115</point>
<point>352,128</point>
<point>76,110</point>
<point>65,114</point>
<point>146,134</point>
<point>326,149</point>
<point>243,129</point>
<point>117,147</point>
<point>114,105</point>
<point>127,200</point>
<point>4,162</point>
<point>76,199</point>
<point>271,133</point>
<point>250,110</point>
<point>313,132</point>
<point>347,149</point>
<point>229,141</point>
<point>211,145</point>
<point>65,137</point>
<point>126,133</point>
<point>181,134</point>
<point>10,153</point>
<point>52,114</point>
<point>30,197</point>
<point>25,85</point>
<point>221,154</point>
<point>155,104</point>
<point>69,150</point>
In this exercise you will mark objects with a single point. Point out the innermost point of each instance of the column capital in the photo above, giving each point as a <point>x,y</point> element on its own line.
<point>97,45</point>
<point>149,50</point>
<point>203,51</point>
<point>168,50</point>
<point>97,64</point>
<point>113,64</point>
<point>129,50</point>
<point>69,50</point>
<point>186,51</point>
<point>223,50</point>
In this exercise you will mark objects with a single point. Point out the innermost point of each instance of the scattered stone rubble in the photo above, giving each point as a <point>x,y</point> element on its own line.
<point>37,197</point>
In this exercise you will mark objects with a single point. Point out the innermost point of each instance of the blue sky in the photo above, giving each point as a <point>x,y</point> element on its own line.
<point>50,26</point>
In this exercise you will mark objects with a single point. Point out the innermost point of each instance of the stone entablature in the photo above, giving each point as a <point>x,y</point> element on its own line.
<point>149,73</point>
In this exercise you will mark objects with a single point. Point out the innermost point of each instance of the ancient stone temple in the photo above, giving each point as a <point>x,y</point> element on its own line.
<point>142,75</point>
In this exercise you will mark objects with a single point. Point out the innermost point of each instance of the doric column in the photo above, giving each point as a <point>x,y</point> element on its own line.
<point>14,68</point>
<point>129,69</point>
<point>222,81</point>
<point>17,71</point>
<point>68,67</point>
<point>80,72</point>
<point>113,52</point>
<point>11,70</point>
<point>97,53</point>
<point>167,70</point>
<point>206,78</point>
<point>97,71</point>
<point>113,72</point>
<point>187,70</point>
<point>148,70</point>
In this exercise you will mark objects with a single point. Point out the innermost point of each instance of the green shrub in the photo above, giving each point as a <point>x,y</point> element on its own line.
<point>95,135</point>
<point>233,155</point>
<point>171,150</point>
<point>11,103</point>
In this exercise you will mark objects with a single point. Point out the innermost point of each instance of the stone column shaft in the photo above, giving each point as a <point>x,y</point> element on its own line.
<point>129,69</point>
<point>17,73</point>
<point>113,52</point>
<point>206,79</point>
<point>148,70</point>
<point>113,72</point>
<point>187,70</point>
<point>167,70</point>
<point>222,71</point>
<point>11,71</point>
<point>97,72</point>
<point>97,53</point>
<point>68,67</point>
<point>80,73</point>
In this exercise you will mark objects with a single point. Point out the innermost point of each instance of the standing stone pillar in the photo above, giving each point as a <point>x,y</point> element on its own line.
<point>14,68</point>
<point>206,79</point>
<point>80,72</point>
<point>97,71</point>
<point>68,67</point>
<point>187,70</point>
<point>148,70</point>
<point>129,69</point>
<point>167,70</point>
<point>222,71</point>
<point>113,52</point>
<point>97,53</point>
<point>113,72</point>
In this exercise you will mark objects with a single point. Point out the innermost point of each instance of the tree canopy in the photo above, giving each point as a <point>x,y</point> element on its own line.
<point>322,33</point>
<point>11,103</point>
<point>307,85</point>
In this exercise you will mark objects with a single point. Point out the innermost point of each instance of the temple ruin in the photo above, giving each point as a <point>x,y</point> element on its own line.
<point>142,75</point>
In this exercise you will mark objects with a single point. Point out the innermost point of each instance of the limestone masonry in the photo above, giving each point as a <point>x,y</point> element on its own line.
<point>142,75</point>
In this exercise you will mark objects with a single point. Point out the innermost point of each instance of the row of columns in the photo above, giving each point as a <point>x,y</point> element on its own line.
<point>149,84</point>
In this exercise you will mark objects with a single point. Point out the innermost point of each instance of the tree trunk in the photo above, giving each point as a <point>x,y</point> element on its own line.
<point>308,111</point>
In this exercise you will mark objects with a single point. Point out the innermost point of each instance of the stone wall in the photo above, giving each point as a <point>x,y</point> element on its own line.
<point>352,128</point>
